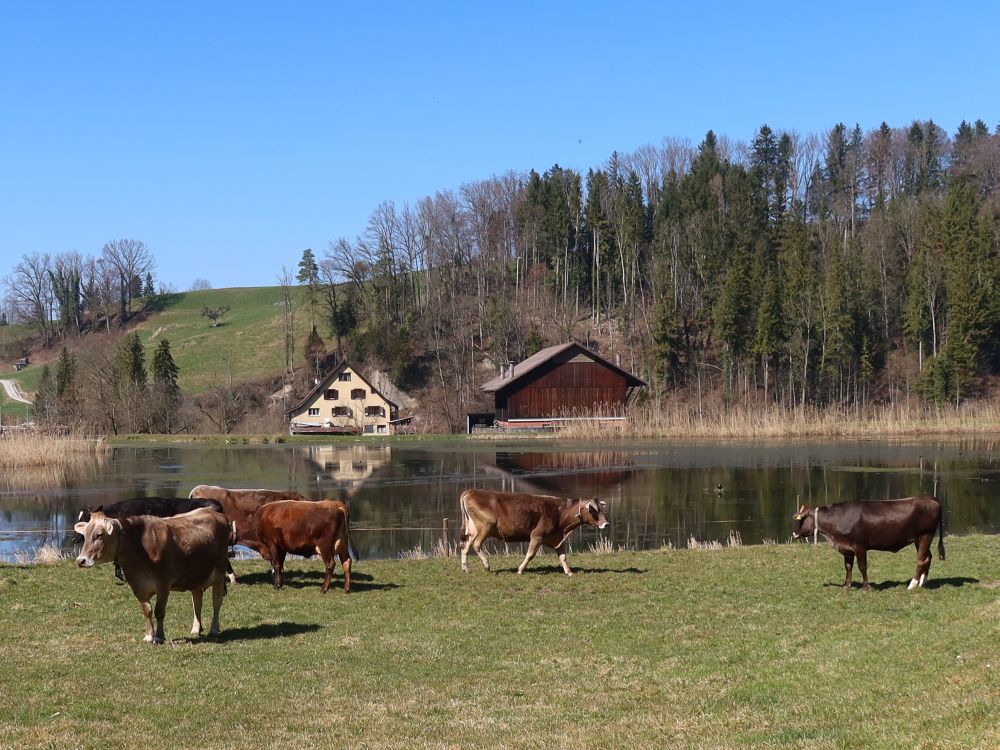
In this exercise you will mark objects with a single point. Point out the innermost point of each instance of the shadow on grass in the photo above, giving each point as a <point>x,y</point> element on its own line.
<point>161,302</point>
<point>932,583</point>
<point>266,630</point>
<point>304,579</point>
<point>557,569</point>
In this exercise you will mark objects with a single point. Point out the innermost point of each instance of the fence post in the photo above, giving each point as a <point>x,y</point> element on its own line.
<point>444,538</point>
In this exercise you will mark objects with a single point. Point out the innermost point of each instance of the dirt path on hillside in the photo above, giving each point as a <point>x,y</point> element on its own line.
<point>14,392</point>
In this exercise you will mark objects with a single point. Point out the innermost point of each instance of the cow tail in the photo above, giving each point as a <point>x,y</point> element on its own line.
<point>465,520</point>
<point>352,551</point>
<point>941,532</point>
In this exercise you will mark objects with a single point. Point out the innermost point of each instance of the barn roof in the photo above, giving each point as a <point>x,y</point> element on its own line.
<point>539,358</point>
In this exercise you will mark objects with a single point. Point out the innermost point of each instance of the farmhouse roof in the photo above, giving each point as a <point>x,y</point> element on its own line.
<point>322,384</point>
<point>539,358</point>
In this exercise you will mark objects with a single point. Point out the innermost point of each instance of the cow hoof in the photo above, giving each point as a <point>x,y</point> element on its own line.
<point>569,572</point>
<point>913,584</point>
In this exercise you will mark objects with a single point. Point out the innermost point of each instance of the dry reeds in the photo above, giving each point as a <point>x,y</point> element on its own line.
<point>674,419</point>
<point>30,459</point>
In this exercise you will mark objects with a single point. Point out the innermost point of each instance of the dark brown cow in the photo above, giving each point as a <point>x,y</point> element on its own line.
<point>187,552</point>
<point>888,525</point>
<point>306,528</point>
<point>519,517</point>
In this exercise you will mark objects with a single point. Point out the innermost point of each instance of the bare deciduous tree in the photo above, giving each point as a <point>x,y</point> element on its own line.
<point>129,259</point>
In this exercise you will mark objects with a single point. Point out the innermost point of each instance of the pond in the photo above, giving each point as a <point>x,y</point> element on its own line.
<point>658,493</point>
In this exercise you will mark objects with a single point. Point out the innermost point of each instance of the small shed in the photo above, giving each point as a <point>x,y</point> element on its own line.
<point>562,383</point>
<point>21,364</point>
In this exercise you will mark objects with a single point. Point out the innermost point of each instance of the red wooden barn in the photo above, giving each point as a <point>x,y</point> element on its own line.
<point>560,383</point>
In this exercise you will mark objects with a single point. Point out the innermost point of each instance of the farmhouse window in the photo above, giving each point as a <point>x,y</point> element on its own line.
<point>381,428</point>
<point>358,393</point>
<point>331,394</point>
<point>374,411</point>
<point>369,428</point>
<point>313,411</point>
<point>344,377</point>
<point>340,411</point>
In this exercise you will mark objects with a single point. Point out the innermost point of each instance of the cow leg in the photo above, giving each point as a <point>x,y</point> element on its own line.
<point>230,573</point>
<point>218,593</point>
<point>477,545</point>
<point>923,561</point>
<point>562,561</point>
<point>863,567</point>
<point>848,568</point>
<point>160,611</point>
<point>532,549</point>
<point>345,563</point>
<point>196,597</point>
<point>329,563</point>
<point>277,559</point>
<point>147,615</point>
<point>469,539</point>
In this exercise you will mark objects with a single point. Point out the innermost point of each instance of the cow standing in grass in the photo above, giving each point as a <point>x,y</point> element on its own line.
<point>321,527</point>
<point>888,525</point>
<point>187,552</point>
<point>164,507</point>
<point>520,517</point>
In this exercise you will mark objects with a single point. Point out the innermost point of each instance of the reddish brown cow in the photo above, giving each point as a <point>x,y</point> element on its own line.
<point>241,506</point>
<point>858,526</point>
<point>187,552</point>
<point>519,517</point>
<point>306,528</point>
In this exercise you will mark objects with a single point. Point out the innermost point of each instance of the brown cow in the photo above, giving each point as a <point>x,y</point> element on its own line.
<point>240,506</point>
<point>306,528</point>
<point>888,525</point>
<point>187,552</point>
<point>519,517</point>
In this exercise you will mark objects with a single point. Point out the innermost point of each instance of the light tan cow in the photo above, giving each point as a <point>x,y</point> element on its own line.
<point>520,517</point>
<point>187,552</point>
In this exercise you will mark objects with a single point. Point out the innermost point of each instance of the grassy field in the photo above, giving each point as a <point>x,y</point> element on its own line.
<point>739,647</point>
<point>251,331</point>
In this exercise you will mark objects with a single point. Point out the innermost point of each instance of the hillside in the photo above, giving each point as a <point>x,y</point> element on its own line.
<point>251,331</point>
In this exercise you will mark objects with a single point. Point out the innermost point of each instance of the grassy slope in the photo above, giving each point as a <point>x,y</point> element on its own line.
<point>251,330</point>
<point>752,647</point>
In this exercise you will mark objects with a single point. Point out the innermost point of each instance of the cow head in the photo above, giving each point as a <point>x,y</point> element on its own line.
<point>805,522</point>
<point>591,512</point>
<point>101,536</point>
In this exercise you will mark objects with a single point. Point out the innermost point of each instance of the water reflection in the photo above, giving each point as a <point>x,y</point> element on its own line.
<point>402,493</point>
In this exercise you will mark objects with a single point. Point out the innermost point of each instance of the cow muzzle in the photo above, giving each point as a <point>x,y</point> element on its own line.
<point>603,525</point>
<point>84,562</point>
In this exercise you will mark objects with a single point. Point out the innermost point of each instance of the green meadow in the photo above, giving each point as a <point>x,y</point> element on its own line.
<point>737,647</point>
<point>251,333</point>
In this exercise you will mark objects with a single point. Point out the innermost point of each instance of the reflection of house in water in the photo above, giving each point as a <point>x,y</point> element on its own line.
<point>571,474</point>
<point>349,465</point>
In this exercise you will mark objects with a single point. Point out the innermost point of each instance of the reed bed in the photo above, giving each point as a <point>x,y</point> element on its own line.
<point>683,420</point>
<point>33,460</point>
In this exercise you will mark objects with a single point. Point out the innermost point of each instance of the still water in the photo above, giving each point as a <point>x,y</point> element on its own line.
<point>664,492</point>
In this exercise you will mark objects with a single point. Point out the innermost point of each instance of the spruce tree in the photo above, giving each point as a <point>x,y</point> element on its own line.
<point>130,363</point>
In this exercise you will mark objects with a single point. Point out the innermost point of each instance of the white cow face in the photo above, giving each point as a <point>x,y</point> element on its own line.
<point>101,536</point>
<point>592,512</point>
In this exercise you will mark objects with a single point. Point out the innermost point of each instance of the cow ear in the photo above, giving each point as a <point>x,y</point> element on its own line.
<point>601,503</point>
<point>80,527</point>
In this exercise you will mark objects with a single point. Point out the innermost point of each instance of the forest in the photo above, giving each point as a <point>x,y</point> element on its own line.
<point>847,268</point>
<point>844,268</point>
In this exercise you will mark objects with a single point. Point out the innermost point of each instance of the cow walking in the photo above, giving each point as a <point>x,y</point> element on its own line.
<point>187,552</point>
<point>320,527</point>
<point>887,525</point>
<point>520,517</point>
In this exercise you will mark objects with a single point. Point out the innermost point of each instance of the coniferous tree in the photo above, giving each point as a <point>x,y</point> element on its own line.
<point>45,396</point>
<point>166,391</point>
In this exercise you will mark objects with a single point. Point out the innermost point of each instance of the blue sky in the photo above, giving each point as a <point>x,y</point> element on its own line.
<point>230,136</point>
